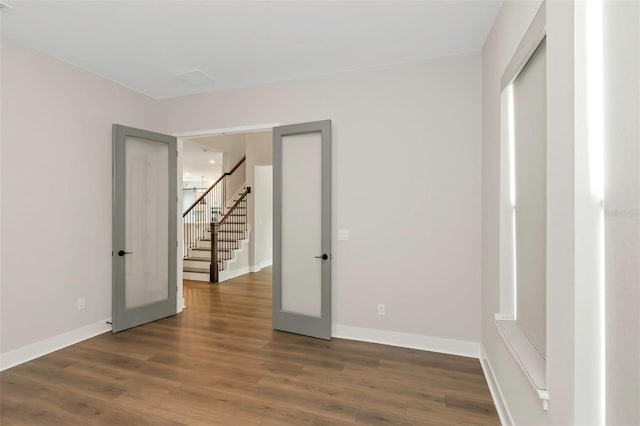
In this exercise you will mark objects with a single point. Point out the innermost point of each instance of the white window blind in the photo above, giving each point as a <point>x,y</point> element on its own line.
<point>530,125</point>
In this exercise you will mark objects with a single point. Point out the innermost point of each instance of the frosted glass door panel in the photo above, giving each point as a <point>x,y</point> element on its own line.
<point>302,220</point>
<point>147,222</point>
<point>302,229</point>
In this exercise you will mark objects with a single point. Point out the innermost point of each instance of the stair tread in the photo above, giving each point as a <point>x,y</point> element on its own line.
<point>196,270</point>
<point>204,259</point>
<point>208,249</point>
<point>220,240</point>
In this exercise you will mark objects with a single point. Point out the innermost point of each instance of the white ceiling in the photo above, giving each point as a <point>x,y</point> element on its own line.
<point>196,167</point>
<point>144,45</point>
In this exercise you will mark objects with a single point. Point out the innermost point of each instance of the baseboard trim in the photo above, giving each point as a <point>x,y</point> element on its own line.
<point>261,265</point>
<point>408,340</point>
<point>180,305</point>
<point>227,275</point>
<point>266,263</point>
<point>494,388</point>
<point>52,344</point>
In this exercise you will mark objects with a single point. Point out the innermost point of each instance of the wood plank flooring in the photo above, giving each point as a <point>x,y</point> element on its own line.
<point>219,363</point>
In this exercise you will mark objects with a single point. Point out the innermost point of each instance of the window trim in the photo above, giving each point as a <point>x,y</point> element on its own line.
<point>520,346</point>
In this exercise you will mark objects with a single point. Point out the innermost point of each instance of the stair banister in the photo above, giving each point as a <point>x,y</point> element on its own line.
<point>213,266</point>
<point>221,178</point>
<point>213,201</point>
<point>230,226</point>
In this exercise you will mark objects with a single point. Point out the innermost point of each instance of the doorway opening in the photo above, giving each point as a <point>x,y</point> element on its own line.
<point>289,165</point>
<point>225,177</point>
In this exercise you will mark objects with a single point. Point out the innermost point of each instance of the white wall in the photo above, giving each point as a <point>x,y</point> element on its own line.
<point>406,183</point>
<point>415,230</point>
<point>234,150</point>
<point>511,24</point>
<point>263,219</point>
<point>259,152</point>
<point>622,203</point>
<point>56,192</point>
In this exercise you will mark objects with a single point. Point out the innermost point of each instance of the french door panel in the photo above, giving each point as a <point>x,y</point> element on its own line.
<point>302,229</point>
<point>144,227</point>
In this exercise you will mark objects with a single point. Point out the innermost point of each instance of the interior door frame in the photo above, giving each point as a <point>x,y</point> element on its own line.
<point>289,321</point>
<point>123,318</point>
<point>181,137</point>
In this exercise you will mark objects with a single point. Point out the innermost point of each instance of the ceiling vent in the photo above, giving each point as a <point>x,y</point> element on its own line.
<point>196,78</point>
<point>4,8</point>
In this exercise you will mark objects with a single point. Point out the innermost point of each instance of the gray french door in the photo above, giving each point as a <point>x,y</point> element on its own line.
<point>144,227</point>
<point>302,229</point>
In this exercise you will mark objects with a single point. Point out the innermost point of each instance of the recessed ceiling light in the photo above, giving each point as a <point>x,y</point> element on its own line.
<point>212,161</point>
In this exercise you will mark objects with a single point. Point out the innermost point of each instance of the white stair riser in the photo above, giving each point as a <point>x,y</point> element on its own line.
<point>226,244</point>
<point>199,253</point>
<point>195,264</point>
<point>207,254</point>
<point>195,276</point>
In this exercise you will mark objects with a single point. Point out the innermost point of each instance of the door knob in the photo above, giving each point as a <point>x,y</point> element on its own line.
<point>323,257</point>
<point>122,252</point>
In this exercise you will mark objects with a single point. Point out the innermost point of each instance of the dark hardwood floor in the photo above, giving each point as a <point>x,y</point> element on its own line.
<point>219,362</point>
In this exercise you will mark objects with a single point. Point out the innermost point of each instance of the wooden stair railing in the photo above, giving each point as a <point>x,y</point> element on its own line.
<point>227,225</point>
<point>207,207</point>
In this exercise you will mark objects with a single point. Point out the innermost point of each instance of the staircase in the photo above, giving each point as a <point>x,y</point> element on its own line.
<point>229,239</point>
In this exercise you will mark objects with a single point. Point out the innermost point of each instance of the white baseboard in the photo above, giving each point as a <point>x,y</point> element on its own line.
<point>266,263</point>
<point>261,265</point>
<point>227,275</point>
<point>52,344</point>
<point>407,340</point>
<point>494,388</point>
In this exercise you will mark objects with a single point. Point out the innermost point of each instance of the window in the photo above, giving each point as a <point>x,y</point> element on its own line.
<point>522,319</point>
<point>530,203</point>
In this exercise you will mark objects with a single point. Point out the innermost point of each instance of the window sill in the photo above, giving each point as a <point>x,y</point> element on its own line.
<point>528,357</point>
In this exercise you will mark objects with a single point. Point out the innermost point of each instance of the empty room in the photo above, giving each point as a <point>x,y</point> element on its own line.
<point>320,212</point>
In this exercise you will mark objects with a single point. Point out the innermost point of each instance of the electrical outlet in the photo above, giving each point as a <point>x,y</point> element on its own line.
<point>82,303</point>
<point>381,309</point>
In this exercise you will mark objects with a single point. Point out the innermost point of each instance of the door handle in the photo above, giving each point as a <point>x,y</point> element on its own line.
<point>122,252</point>
<point>323,257</point>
